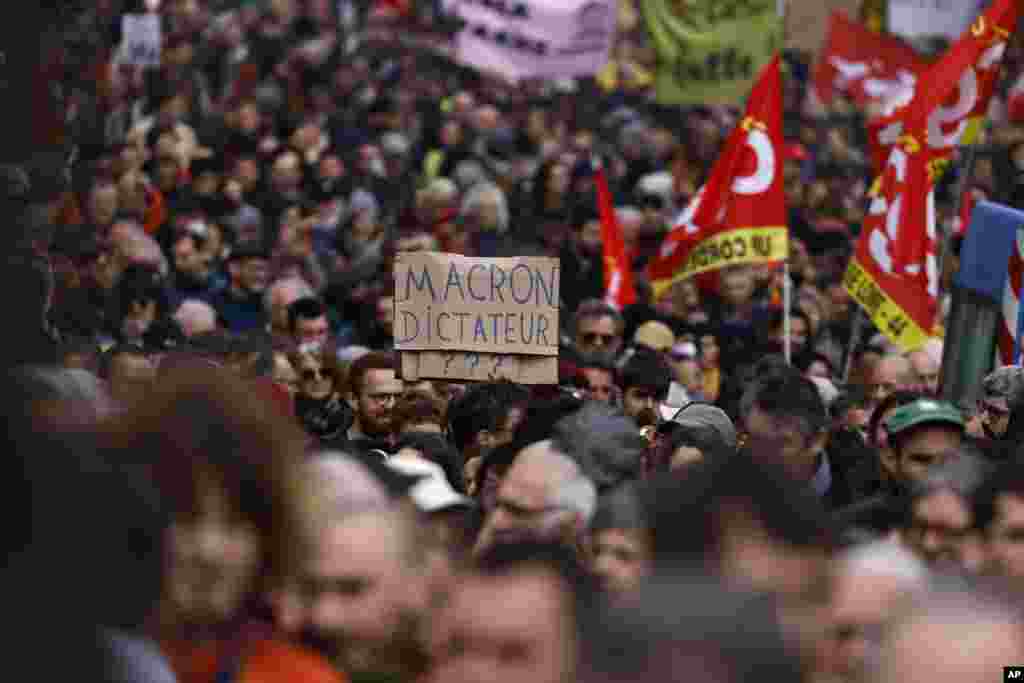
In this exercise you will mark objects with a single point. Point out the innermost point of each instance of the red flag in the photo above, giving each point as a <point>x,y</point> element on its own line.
<point>863,65</point>
<point>739,216</point>
<point>955,92</point>
<point>618,271</point>
<point>894,272</point>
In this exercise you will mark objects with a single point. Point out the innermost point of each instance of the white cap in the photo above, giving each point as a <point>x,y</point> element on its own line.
<point>826,389</point>
<point>433,492</point>
<point>659,184</point>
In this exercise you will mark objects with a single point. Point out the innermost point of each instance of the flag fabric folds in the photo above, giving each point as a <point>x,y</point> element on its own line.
<point>618,271</point>
<point>739,215</point>
<point>955,92</point>
<point>894,274</point>
<point>865,66</point>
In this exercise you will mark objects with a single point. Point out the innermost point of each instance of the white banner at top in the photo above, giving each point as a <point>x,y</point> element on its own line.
<point>925,18</point>
<point>535,38</point>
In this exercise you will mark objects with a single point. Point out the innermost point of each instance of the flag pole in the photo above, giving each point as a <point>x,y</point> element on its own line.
<point>787,300</point>
<point>787,287</point>
<point>856,329</point>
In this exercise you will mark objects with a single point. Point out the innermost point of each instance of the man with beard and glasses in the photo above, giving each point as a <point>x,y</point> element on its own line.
<point>645,380</point>
<point>373,390</point>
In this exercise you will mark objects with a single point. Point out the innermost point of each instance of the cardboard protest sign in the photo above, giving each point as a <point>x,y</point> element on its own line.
<point>535,38</point>
<point>480,367</point>
<point>458,317</point>
<point>141,39</point>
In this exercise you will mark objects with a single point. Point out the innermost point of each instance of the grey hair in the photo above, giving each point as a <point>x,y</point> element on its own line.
<point>1005,382</point>
<point>468,174</point>
<point>963,476</point>
<point>342,486</point>
<point>885,558</point>
<point>974,609</point>
<point>77,386</point>
<point>483,192</point>
<point>578,495</point>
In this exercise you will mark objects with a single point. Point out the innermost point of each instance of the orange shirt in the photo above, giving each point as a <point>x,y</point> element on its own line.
<point>265,660</point>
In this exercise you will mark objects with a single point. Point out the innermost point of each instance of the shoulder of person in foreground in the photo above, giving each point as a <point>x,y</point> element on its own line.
<point>277,661</point>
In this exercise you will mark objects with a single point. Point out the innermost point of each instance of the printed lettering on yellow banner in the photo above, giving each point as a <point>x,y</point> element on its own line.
<point>885,313</point>
<point>747,245</point>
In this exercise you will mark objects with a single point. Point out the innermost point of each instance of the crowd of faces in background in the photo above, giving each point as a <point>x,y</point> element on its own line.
<point>224,445</point>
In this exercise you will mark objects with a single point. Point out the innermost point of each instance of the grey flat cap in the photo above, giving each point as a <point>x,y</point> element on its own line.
<point>711,416</point>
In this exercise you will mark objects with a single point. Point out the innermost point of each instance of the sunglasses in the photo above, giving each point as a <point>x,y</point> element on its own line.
<point>652,202</point>
<point>312,374</point>
<point>593,337</point>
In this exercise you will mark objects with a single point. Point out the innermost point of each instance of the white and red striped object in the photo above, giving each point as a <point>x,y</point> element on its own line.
<point>1009,326</point>
<point>1015,100</point>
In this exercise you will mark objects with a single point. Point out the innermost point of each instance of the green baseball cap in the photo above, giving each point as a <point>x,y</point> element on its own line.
<point>923,411</point>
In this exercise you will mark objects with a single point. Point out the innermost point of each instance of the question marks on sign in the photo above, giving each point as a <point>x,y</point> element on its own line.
<point>499,361</point>
<point>449,358</point>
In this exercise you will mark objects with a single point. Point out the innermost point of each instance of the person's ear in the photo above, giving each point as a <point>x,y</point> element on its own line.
<point>890,461</point>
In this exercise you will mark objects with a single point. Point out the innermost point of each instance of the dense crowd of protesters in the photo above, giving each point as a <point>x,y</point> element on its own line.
<point>219,475</point>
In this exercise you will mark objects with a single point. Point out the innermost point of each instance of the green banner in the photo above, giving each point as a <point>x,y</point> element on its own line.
<point>710,51</point>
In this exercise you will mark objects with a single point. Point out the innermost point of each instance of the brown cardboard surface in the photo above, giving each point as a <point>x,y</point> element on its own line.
<point>480,367</point>
<point>447,302</point>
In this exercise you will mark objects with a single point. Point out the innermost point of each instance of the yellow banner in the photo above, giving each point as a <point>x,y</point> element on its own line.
<point>710,51</point>
<point>885,313</point>
<point>745,245</point>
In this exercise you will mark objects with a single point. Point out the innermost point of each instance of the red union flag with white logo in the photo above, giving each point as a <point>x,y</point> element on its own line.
<point>864,65</point>
<point>955,92</point>
<point>739,216</point>
<point>894,273</point>
<point>618,271</point>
